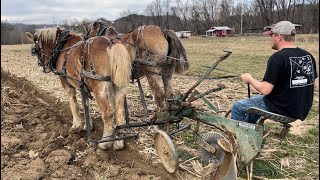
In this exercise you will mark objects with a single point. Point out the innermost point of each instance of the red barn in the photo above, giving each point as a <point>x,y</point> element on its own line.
<point>219,31</point>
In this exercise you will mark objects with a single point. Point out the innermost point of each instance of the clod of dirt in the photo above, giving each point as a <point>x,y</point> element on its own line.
<point>59,156</point>
<point>33,170</point>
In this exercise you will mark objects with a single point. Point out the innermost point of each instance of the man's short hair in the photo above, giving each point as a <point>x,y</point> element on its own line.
<point>289,38</point>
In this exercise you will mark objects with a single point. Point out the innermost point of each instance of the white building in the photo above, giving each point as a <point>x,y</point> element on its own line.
<point>183,34</point>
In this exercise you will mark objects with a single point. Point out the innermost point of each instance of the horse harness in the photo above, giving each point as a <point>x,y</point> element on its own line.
<point>63,37</point>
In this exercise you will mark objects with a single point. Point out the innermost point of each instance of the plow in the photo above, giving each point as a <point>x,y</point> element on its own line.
<point>228,144</point>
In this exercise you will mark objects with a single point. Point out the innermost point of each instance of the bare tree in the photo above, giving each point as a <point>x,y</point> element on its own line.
<point>224,13</point>
<point>183,9</point>
<point>314,16</point>
<point>154,9</point>
<point>166,5</point>
<point>265,10</point>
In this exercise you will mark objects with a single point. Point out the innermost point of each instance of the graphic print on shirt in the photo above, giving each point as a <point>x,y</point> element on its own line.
<point>302,73</point>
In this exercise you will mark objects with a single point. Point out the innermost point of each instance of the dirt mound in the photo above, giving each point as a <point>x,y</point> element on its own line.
<point>36,144</point>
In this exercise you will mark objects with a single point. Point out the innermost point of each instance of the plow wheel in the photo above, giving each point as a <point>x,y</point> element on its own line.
<point>219,159</point>
<point>166,151</point>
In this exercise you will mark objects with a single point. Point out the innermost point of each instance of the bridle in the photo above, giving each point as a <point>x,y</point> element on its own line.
<point>91,29</point>
<point>100,30</point>
<point>37,50</point>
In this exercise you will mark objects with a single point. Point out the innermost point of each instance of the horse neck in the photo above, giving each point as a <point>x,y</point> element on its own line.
<point>93,33</point>
<point>72,40</point>
<point>129,42</point>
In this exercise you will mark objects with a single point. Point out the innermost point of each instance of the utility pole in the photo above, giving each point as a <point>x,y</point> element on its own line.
<point>21,38</point>
<point>241,21</point>
<point>240,17</point>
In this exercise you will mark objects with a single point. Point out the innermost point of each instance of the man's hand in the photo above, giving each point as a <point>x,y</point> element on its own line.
<point>262,87</point>
<point>246,77</point>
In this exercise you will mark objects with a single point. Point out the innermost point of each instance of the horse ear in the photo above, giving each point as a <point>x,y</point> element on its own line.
<point>86,27</point>
<point>29,35</point>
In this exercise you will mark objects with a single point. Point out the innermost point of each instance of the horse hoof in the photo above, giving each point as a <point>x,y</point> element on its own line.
<point>74,130</point>
<point>105,145</point>
<point>85,128</point>
<point>119,144</point>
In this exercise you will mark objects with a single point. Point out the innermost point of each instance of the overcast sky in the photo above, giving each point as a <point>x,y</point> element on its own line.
<point>50,11</point>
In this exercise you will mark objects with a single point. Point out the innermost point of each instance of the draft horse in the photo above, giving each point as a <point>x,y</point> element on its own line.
<point>99,67</point>
<point>156,53</point>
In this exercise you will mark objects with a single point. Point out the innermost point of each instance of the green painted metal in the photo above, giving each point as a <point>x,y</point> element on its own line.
<point>249,136</point>
<point>211,106</point>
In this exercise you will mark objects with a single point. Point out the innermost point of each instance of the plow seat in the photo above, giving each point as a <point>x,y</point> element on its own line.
<point>285,121</point>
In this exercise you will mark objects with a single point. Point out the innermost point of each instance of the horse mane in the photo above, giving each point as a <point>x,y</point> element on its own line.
<point>48,35</point>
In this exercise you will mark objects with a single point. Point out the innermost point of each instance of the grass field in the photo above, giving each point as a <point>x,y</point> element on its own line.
<point>298,156</point>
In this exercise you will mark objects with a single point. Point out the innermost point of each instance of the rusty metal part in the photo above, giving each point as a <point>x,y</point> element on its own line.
<point>141,124</point>
<point>166,151</point>
<point>222,161</point>
<point>210,151</point>
<point>204,144</point>
<point>118,137</point>
<point>181,129</point>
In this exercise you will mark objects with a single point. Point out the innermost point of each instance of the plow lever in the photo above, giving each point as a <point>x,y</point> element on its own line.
<point>215,64</point>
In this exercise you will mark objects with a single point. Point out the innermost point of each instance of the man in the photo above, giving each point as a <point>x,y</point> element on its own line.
<point>288,84</point>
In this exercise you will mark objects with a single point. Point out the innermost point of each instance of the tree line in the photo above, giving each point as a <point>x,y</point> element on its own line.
<point>196,16</point>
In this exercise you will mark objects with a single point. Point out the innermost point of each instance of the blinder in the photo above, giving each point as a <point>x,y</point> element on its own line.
<point>35,49</point>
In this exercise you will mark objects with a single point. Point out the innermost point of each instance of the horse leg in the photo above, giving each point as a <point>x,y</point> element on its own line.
<point>104,99</point>
<point>120,117</point>
<point>85,122</point>
<point>154,83</point>
<point>77,124</point>
<point>166,79</point>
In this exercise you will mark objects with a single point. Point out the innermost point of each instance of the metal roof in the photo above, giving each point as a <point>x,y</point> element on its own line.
<point>218,28</point>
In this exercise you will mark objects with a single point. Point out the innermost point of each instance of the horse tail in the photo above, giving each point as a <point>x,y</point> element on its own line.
<point>176,50</point>
<point>120,64</point>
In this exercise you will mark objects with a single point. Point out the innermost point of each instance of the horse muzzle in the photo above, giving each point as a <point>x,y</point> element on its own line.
<point>35,50</point>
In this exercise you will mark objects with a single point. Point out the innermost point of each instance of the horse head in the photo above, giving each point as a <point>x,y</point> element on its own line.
<point>44,41</point>
<point>97,28</point>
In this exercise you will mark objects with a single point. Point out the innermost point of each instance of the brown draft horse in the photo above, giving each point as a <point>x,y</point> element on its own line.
<point>153,44</point>
<point>108,69</point>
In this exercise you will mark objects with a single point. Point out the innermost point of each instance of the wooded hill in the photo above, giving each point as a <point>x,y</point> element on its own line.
<point>196,16</point>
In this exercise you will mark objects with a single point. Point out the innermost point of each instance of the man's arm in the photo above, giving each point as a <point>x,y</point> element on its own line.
<point>316,83</point>
<point>262,87</point>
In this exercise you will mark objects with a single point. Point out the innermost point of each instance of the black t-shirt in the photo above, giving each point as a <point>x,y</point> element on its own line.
<point>292,71</point>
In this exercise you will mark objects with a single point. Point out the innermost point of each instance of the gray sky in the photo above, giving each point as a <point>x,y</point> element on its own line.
<point>50,11</point>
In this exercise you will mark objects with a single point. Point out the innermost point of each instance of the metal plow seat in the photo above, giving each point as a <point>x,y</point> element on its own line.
<point>274,117</point>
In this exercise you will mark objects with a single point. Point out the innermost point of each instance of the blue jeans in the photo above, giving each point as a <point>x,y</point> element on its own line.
<point>239,109</point>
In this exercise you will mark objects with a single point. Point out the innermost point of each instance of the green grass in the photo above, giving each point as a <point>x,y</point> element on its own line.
<point>184,154</point>
<point>249,54</point>
<point>303,154</point>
